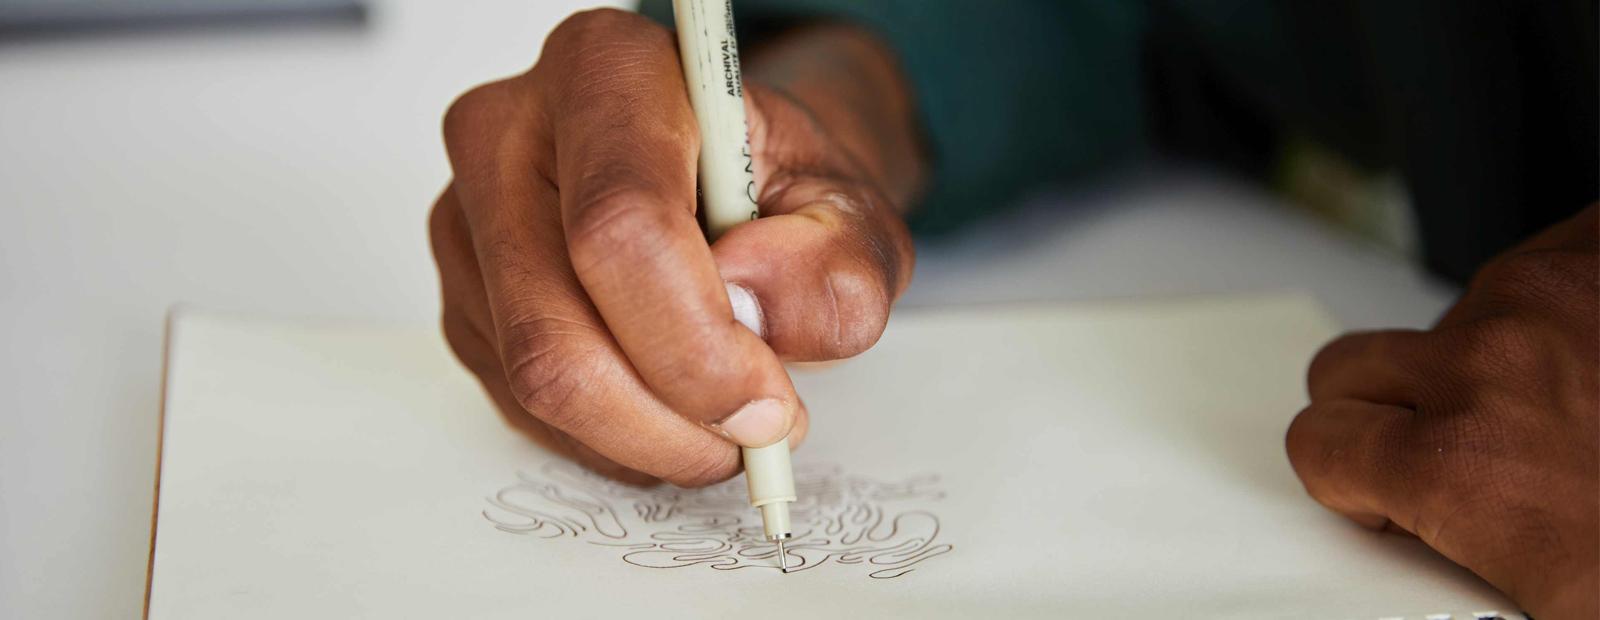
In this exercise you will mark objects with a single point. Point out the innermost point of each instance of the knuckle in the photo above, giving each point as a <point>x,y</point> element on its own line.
<point>1301,443</point>
<point>533,261</point>
<point>1493,346</point>
<point>1337,351</point>
<point>474,113</point>
<point>438,221</point>
<point>1327,459</point>
<point>860,310</point>
<point>458,335</point>
<point>443,226</point>
<point>608,224</point>
<point>547,367</point>
<point>705,468</point>
<point>438,225</point>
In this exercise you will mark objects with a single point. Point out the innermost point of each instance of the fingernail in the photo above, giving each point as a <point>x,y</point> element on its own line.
<point>746,309</point>
<point>759,423</point>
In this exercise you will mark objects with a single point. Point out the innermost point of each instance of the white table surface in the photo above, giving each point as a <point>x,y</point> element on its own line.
<point>290,173</point>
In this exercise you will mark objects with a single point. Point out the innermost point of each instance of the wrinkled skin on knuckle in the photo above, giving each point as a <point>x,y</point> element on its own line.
<point>616,226</point>
<point>633,169</point>
<point>512,257</point>
<point>860,309</point>
<point>546,365</point>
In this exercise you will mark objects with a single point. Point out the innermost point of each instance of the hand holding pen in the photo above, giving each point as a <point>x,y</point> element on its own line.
<point>579,287</point>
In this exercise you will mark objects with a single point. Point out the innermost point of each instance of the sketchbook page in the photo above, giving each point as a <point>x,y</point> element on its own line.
<point>1121,460</point>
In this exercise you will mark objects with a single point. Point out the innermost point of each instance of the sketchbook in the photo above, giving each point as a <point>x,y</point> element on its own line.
<point>1112,460</point>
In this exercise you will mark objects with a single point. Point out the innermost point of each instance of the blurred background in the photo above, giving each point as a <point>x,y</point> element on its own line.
<point>279,157</point>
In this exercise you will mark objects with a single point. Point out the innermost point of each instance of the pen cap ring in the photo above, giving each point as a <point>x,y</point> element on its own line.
<point>775,521</point>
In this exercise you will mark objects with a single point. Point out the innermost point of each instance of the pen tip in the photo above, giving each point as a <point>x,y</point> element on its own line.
<point>783,558</point>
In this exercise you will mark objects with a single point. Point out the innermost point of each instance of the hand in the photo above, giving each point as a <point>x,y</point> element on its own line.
<point>580,290</point>
<point>1481,435</point>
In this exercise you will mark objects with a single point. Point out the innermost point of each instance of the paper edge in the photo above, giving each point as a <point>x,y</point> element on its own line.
<point>176,314</point>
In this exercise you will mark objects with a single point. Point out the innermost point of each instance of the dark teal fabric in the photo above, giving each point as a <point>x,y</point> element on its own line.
<point>1011,92</point>
<point>1490,110</point>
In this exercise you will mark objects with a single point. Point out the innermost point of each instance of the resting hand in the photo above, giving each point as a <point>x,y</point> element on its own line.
<point>1481,435</point>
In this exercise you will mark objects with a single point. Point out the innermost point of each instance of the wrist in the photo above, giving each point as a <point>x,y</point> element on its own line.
<point>852,85</point>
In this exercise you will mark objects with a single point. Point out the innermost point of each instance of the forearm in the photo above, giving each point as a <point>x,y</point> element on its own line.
<point>853,86</point>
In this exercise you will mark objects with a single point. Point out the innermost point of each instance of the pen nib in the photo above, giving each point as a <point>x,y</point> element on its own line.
<point>783,557</point>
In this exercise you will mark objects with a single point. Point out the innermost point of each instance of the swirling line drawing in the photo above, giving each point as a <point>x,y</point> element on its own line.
<point>845,519</point>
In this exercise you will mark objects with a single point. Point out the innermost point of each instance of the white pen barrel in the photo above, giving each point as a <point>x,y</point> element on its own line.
<point>710,56</point>
<point>771,480</point>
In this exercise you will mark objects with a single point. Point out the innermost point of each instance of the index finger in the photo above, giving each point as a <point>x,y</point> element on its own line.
<point>625,151</point>
<point>560,364</point>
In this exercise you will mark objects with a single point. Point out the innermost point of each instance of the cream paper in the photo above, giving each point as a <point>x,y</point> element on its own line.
<point>1115,460</point>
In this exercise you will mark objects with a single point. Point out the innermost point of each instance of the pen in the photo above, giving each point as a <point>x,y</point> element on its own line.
<point>710,56</point>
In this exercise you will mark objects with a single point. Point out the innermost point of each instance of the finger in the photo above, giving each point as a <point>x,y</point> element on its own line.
<point>563,366</point>
<point>822,270</point>
<point>802,427</point>
<point>1374,366</point>
<point>560,363</point>
<point>479,356</point>
<point>819,274</point>
<point>460,281</point>
<point>626,150</point>
<point>466,325</point>
<point>1350,457</point>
